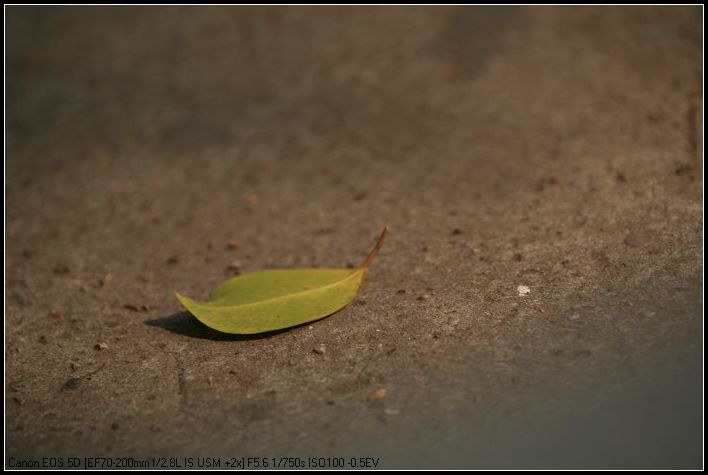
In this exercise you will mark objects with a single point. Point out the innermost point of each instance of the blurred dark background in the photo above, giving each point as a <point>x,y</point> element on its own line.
<point>154,149</point>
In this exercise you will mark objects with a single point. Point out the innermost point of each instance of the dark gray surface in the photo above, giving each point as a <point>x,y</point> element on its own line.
<point>564,144</point>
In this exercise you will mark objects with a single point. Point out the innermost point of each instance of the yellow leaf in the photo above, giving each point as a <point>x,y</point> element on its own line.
<point>275,299</point>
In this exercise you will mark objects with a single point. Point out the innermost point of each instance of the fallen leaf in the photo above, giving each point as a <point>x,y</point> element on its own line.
<point>275,299</point>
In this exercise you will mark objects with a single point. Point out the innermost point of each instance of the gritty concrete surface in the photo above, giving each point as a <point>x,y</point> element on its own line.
<point>152,150</point>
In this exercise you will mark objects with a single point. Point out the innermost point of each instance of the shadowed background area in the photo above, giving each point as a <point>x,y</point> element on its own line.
<point>162,149</point>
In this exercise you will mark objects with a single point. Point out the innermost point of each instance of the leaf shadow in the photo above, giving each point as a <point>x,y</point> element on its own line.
<point>184,323</point>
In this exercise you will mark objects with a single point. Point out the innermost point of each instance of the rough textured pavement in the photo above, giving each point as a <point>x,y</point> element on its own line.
<point>155,150</point>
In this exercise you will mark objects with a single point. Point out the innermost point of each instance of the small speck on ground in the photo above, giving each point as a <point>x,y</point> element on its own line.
<point>234,268</point>
<point>72,383</point>
<point>377,395</point>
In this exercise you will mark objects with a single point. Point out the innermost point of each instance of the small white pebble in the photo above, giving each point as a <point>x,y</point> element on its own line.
<point>523,290</point>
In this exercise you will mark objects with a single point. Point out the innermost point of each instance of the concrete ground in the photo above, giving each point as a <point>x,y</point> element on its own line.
<point>153,150</point>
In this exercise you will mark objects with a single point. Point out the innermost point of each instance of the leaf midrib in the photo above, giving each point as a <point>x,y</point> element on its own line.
<point>260,302</point>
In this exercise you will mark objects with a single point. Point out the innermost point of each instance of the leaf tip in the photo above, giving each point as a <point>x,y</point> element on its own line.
<point>183,299</point>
